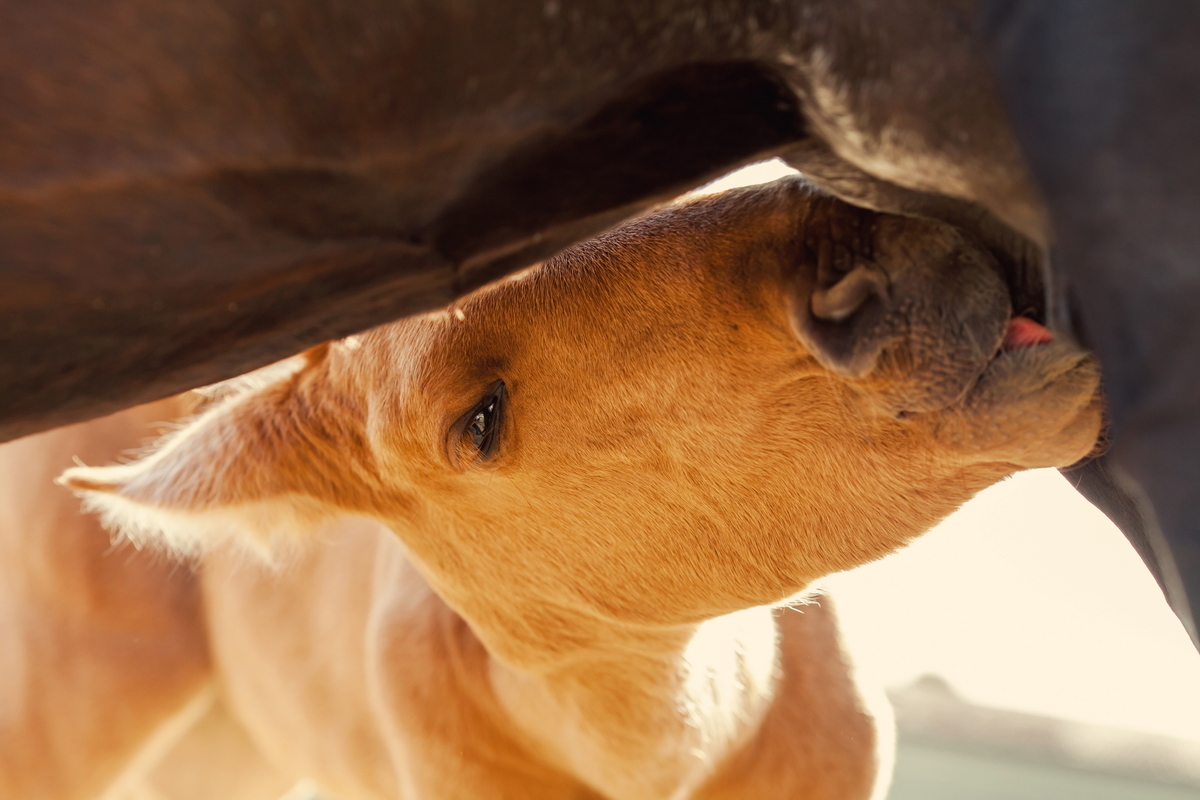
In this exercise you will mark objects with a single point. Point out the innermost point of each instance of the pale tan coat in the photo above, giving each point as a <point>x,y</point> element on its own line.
<point>691,420</point>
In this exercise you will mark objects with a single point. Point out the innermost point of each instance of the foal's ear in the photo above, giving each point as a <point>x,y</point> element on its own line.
<point>271,465</point>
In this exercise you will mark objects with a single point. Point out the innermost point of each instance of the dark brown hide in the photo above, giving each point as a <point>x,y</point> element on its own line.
<point>192,190</point>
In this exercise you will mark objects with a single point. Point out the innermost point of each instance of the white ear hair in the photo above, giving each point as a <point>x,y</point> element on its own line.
<point>257,468</point>
<point>268,529</point>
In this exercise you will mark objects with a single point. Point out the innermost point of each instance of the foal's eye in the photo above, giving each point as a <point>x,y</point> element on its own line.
<point>483,421</point>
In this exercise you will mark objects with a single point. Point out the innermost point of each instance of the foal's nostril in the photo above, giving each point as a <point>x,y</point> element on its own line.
<point>837,302</point>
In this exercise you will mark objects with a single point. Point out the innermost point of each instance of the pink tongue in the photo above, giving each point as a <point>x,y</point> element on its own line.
<point>1024,332</point>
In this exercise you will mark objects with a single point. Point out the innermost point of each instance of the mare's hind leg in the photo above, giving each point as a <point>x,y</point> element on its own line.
<point>100,646</point>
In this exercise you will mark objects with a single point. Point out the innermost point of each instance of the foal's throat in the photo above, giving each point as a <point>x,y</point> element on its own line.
<point>651,720</point>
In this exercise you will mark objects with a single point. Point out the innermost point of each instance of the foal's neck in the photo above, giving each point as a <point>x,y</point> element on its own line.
<point>649,716</point>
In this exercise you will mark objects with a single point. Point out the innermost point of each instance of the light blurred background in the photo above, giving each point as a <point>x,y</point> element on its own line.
<point>1028,598</point>
<point>1030,653</point>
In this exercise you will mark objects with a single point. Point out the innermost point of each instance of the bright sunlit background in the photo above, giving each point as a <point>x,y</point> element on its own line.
<point>1028,598</point>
